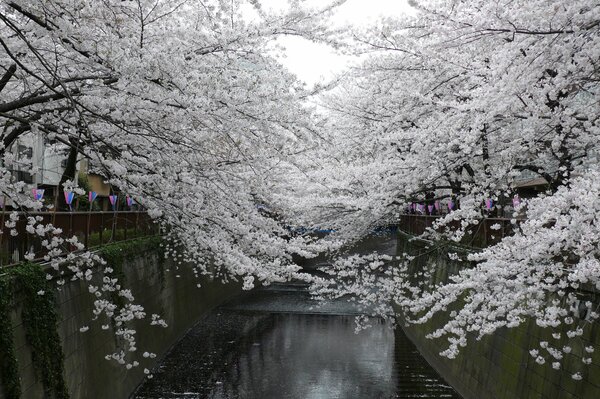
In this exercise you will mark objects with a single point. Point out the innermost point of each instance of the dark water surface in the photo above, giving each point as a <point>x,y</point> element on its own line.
<point>277,344</point>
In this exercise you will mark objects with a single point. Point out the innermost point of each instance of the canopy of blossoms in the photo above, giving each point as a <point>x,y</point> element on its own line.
<point>180,105</point>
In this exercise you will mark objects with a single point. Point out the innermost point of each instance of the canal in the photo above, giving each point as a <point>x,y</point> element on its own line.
<point>277,343</point>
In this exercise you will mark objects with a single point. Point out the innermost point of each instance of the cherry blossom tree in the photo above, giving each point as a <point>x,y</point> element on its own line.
<point>459,101</point>
<point>177,104</point>
<point>180,105</point>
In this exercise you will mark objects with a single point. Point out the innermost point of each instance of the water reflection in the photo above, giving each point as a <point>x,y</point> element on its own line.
<point>278,344</point>
<point>314,357</point>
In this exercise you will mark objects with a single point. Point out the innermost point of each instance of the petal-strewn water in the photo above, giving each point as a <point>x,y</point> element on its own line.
<point>277,343</point>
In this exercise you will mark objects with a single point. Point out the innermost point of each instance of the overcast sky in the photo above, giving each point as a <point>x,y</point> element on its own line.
<point>312,61</point>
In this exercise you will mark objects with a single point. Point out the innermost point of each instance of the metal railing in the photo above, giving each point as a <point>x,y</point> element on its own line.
<point>91,228</point>
<point>488,231</point>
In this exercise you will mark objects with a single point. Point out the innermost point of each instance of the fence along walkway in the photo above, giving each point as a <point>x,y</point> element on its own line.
<point>488,231</point>
<point>97,228</point>
<point>91,228</point>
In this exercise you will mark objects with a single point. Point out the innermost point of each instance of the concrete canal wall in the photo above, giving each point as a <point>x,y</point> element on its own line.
<point>500,366</point>
<point>34,346</point>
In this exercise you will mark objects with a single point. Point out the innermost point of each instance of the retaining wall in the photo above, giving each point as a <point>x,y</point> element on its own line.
<point>500,366</point>
<point>157,285</point>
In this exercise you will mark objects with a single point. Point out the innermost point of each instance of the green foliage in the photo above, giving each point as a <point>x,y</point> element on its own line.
<point>40,320</point>
<point>94,238</point>
<point>116,254</point>
<point>5,257</point>
<point>83,181</point>
<point>9,369</point>
<point>82,200</point>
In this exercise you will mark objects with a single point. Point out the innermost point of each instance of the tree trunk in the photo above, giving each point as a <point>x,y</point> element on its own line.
<point>68,174</point>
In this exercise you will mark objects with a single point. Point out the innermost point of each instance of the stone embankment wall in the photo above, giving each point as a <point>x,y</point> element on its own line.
<point>41,334</point>
<point>499,365</point>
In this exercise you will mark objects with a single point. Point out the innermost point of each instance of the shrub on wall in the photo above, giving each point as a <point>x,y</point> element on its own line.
<point>28,283</point>
<point>9,369</point>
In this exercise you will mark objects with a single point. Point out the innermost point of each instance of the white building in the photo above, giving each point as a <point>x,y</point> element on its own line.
<point>39,162</point>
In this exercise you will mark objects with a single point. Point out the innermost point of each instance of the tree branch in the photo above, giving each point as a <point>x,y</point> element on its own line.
<point>34,99</point>
<point>9,73</point>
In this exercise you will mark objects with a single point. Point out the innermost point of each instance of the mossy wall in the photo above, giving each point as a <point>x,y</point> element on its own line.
<point>157,285</point>
<point>500,366</point>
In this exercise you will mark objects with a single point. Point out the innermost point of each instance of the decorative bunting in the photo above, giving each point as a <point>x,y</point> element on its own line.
<point>430,208</point>
<point>516,201</point>
<point>38,193</point>
<point>92,196</point>
<point>489,203</point>
<point>437,205</point>
<point>450,205</point>
<point>69,195</point>
<point>113,201</point>
<point>130,201</point>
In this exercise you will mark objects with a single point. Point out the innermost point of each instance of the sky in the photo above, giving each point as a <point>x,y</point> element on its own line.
<point>311,61</point>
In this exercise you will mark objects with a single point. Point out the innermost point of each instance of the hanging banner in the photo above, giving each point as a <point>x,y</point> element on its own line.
<point>489,203</point>
<point>437,205</point>
<point>450,205</point>
<point>113,201</point>
<point>92,196</point>
<point>69,195</point>
<point>516,201</point>
<point>430,208</point>
<point>130,201</point>
<point>38,193</point>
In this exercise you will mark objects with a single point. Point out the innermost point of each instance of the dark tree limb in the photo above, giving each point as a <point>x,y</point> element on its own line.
<point>35,99</point>
<point>8,139</point>
<point>7,75</point>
